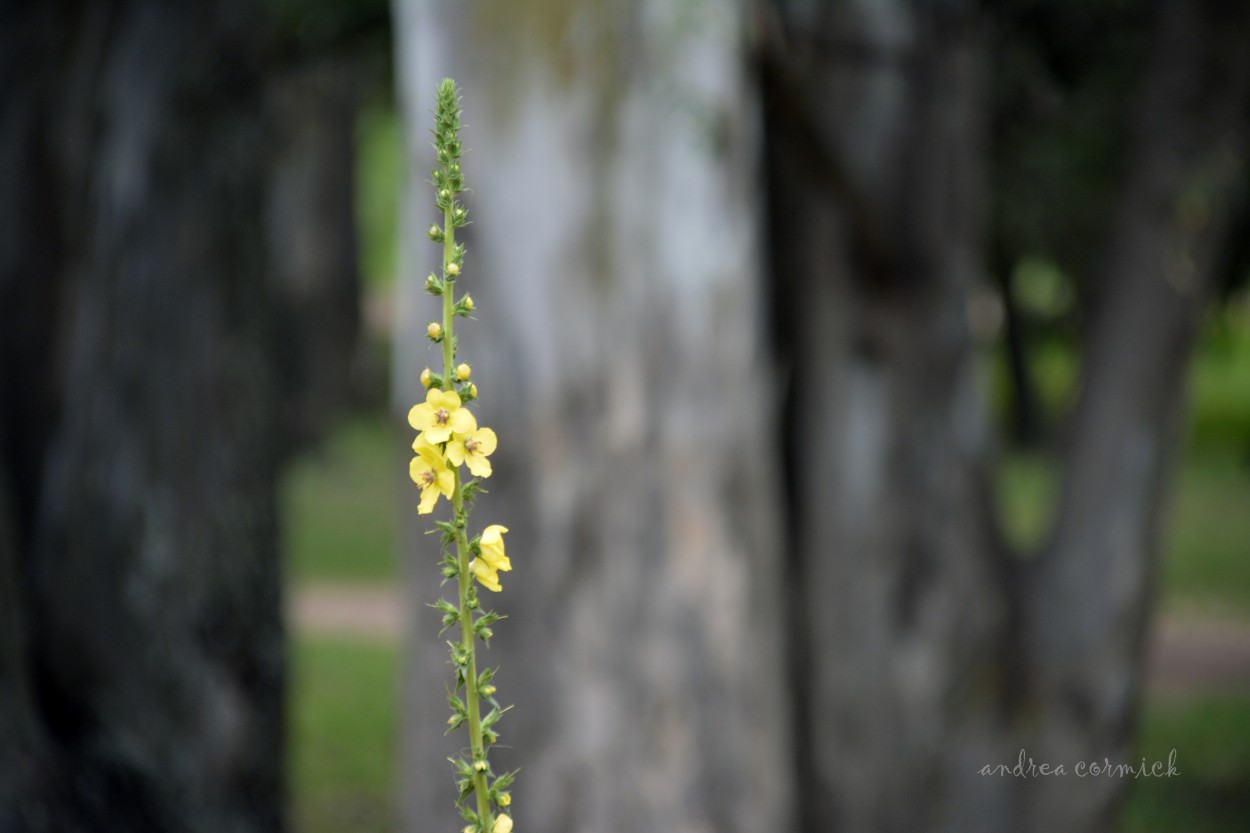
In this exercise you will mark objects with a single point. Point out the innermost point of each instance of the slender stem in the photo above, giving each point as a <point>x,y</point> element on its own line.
<point>467,636</point>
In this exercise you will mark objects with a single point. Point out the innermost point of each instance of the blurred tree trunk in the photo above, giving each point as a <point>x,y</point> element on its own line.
<point>875,153</point>
<point>311,231</point>
<point>618,350</point>
<point>141,649</point>
<point>927,649</point>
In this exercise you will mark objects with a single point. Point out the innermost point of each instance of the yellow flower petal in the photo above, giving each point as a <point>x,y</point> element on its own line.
<point>491,545</point>
<point>479,466</point>
<point>503,824</point>
<point>430,453</point>
<point>446,482</point>
<point>448,399</point>
<point>487,577</point>
<point>462,421</point>
<point>416,468</point>
<point>421,416</point>
<point>455,452</point>
<point>428,498</point>
<point>437,433</point>
<point>487,442</point>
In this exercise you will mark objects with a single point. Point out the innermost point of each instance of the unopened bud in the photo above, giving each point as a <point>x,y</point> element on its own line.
<point>434,331</point>
<point>425,378</point>
<point>435,233</point>
<point>479,766</point>
<point>463,371</point>
<point>433,285</point>
<point>505,799</point>
<point>503,824</point>
<point>453,269</point>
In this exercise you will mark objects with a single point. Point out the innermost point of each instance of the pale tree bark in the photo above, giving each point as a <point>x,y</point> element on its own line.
<point>618,350</point>
<point>141,648</point>
<point>930,650</point>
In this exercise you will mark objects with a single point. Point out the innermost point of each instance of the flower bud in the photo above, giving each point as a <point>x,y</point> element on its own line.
<point>425,378</point>
<point>433,285</point>
<point>472,391</point>
<point>463,371</point>
<point>453,269</point>
<point>503,824</point>
<point>505,799</point>
<point>434,233</point>
<point>479,766</point>
<point>434,331</point>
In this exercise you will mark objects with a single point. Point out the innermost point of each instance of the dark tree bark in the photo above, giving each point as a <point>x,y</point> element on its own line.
<point>311,231</point>
<point>1090,596</point>
<point>875,150</point>
<point>929,651</point>
<point>141,649</point>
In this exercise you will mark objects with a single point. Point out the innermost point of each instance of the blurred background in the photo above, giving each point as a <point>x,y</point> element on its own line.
<point>872,381</point>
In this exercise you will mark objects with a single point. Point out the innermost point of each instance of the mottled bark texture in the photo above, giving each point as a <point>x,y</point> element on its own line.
<point>613,257</point>
<point>875,156</point>
<point>927,650</point>
<point>141,651</point>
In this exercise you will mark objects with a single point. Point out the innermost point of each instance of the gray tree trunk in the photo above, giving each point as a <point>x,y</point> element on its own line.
<point>875,151</point>
<point>1089,597</point>
<point>141,648</point>
<point>310,226</point>
<point>618,349</point>
<point>930,650</point>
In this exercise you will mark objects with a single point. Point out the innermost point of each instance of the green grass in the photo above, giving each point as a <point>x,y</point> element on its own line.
<point>343,736</point>
<point>339,504</point>
<point>1207,546</point>
<point>1211,793</point>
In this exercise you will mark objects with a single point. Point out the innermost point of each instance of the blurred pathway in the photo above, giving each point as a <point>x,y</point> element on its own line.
<point>1187,656</point>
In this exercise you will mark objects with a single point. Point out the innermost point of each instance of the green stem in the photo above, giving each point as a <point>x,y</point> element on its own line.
<point>467,636</point>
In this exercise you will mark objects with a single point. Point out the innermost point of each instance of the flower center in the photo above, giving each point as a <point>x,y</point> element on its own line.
<point>427,479</point>
<point>441,416</point>
<point>471,446</point>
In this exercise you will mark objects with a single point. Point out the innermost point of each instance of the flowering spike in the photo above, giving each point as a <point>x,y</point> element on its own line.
<point>449,438</point>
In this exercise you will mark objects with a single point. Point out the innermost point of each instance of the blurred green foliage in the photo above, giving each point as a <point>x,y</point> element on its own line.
<point>379,175</point>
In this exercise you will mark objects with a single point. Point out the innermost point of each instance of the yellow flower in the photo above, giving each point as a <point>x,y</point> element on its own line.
<point>491,545</point>
<point>440,416</point>
<point>429,471</point>
<point>503,824</point>
<point>488,577</point>
<point>473,450</point>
